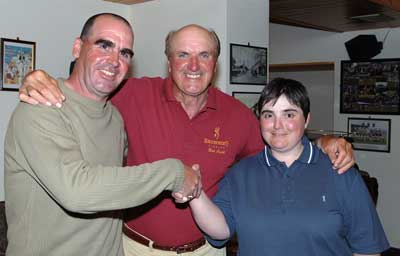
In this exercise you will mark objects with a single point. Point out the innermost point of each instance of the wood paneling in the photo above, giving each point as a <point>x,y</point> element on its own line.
<point>335,15</point>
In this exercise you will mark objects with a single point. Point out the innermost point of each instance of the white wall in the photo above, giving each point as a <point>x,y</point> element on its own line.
<point>290,44</point>
<point>53,25</point>
<point>7,102</point>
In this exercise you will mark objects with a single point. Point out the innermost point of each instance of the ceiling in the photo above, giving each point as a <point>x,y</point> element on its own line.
<point>329,15</point>
<point>336,15</point>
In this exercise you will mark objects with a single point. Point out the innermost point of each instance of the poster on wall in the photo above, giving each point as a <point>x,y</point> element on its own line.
<point>17,59</point>
<point>248,64</point>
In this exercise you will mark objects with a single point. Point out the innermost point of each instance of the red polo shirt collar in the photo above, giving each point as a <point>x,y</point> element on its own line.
<point>169,95</point>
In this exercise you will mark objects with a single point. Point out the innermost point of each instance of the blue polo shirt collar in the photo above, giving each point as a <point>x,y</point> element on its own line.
<point>308,156</point>
<point>169,94</point>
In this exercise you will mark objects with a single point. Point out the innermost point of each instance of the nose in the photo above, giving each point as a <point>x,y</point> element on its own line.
<point>113,58</point>
<point>277,123</point>
<point>193,64</point>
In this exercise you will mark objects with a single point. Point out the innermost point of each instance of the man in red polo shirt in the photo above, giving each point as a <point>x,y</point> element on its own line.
<point>186,117</point>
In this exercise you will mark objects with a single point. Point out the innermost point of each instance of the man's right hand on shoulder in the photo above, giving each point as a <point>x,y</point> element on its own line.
<point>191,187</point>
<point>38,87</point>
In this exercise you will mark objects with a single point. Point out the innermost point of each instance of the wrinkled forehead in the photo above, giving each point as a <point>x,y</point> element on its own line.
<point>112,29</point>
<point>193,37</point>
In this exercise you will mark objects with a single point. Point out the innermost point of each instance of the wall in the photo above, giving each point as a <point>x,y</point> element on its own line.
<point>290,44</point>
<point>8,101</point>
<point>53,25</point>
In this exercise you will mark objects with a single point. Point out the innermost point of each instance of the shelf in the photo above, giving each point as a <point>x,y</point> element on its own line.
<point>306,66</point>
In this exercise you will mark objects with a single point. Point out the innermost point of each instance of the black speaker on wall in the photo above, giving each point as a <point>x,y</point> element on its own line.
<point>363,47</point>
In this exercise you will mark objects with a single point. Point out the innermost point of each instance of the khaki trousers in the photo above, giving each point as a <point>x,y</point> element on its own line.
<point>133,248</point>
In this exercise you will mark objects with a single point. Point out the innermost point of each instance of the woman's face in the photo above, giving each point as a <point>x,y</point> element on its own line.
<point>282,126</point>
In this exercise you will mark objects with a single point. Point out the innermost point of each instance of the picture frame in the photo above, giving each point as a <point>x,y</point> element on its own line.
<point>18,58</point>
<point>250,99</point>
<point>370,87</point>
<point>369,134</point>
<point>248,65</point>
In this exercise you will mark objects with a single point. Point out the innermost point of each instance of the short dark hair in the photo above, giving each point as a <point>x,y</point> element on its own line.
<point>89,23</point>
<point>172,33</point>
<point>294,91</point>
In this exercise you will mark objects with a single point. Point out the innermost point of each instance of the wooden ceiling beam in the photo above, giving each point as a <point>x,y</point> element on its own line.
<point>393,4</point>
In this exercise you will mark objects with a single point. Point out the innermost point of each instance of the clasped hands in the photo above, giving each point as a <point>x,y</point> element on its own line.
<point>191,187</point>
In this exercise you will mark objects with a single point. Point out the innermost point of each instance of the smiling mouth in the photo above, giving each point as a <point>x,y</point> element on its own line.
<point>279,134</point>
<point>193,76</point>
<point>107,73</point>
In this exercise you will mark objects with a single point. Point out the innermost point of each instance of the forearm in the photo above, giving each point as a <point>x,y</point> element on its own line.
<point>323,141</point>
<point>90,189</point>
<point>84,188</point>
<point>209,217</point>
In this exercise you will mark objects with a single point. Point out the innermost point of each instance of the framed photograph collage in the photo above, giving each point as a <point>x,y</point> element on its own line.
<point>371,88</point>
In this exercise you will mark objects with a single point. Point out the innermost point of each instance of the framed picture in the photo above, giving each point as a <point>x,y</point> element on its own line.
<point>370,87</point>
<point>369,134</point>
<point>17,59</point>
<point>248,65</point>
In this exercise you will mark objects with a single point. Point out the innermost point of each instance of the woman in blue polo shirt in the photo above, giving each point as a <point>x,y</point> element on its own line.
<point>287,200</point>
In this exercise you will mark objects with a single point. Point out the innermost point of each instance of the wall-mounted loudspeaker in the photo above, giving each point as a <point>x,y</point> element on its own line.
<point>363,47</point>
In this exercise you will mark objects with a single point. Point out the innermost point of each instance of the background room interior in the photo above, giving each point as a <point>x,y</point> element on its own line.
<point>53,24</point>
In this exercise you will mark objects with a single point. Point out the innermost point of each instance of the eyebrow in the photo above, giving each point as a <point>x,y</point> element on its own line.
<point>285,110</point>
<point>105,42</point>
<point>111,44</point>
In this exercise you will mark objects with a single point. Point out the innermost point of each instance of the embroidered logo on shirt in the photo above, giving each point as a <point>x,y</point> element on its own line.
<point>216,133</point>
<point>215,145</point>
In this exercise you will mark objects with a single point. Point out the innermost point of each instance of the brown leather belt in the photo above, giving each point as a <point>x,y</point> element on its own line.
<point>189,247</point>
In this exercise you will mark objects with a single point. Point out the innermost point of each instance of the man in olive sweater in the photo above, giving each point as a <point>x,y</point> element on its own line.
<point>64,184</point>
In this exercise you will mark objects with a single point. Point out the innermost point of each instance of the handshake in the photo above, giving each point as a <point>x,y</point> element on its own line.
<point>191,187</point>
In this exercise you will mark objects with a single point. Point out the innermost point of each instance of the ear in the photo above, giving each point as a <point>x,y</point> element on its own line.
<point>76,48</point>
<point>307,120</point>
<point>169,66</point>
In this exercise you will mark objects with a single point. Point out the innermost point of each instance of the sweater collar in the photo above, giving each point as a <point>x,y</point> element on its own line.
<point>92,105</point>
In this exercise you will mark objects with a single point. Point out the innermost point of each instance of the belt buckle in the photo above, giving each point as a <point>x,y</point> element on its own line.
<point>183,249</point>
